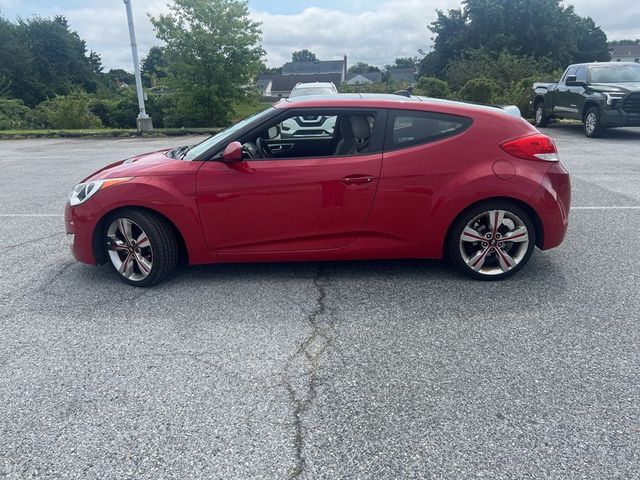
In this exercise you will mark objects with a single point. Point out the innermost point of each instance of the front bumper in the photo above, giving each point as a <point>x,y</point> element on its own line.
<point>620,118</point>
<point>552,202</point>
<point>80,224</point>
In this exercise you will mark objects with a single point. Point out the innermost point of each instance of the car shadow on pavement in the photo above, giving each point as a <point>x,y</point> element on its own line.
<point>617,134</point>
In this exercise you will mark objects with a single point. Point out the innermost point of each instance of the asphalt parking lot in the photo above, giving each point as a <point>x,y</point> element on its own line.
<point>381,370</point>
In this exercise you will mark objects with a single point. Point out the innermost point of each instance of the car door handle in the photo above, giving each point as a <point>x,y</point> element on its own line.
<point>358,179</point>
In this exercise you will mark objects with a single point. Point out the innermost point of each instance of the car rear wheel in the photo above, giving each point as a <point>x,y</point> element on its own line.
<point>541,119</point>
<point>141,247</point>
<point>492,240</point>
<point>593,123</point>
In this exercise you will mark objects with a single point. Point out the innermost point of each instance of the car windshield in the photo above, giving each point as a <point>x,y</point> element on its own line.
<point>615,74</point>
<point>312,91</point>
<point>224,134</point>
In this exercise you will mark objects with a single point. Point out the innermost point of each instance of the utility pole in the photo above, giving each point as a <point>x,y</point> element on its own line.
<point>143,121</point>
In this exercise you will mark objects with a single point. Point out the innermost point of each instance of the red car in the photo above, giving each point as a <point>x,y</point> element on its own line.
<point>394,177</point>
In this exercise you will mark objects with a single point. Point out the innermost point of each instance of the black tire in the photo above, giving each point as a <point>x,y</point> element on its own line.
<point>541,118</point>
<point>162,249</point>
<point>592,123</point>
<point>460,251</point>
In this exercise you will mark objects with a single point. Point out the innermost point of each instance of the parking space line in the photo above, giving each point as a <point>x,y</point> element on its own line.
<point>630,207</point>
<point>31,215</point>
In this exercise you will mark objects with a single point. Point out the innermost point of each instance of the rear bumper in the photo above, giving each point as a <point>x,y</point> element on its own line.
<point>620,118</point>
<point>552,202</point>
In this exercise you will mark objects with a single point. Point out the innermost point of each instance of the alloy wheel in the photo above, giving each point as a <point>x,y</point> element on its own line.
<point>590,123</point>
<point>129,249</point>
<point>539,115</point>
<point>494,242</point>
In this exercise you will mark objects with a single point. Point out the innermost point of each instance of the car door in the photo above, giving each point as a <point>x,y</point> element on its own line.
<point>299,203</point>
<point>566,99</point>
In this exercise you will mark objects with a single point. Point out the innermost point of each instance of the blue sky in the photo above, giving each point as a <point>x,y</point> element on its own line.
<point>373,31</point>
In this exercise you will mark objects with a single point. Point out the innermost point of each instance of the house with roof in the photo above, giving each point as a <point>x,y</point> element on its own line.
<point>334,71</point>
<point>625,53</point>
<point>263,83</point>
<point>402,75</point>
<point>364,78</point>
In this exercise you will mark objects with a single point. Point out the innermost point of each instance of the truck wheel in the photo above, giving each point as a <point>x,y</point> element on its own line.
<point>541,119</point>
<point>593,123</point>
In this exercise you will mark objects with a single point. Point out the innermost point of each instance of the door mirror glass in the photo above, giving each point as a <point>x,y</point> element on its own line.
<point>572,81</point>
<point>233,153</point>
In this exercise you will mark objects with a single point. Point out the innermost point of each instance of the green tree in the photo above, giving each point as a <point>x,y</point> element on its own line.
<point>57,58</point>
<point>615,43</point>
<point>536,28</point>
<point>153,66</point>
<point>362,67</point>
<point>304,56</point>
<point>432,87</point>
<point>213,54</point>
<point>16,74</point>
<point>404,62</point>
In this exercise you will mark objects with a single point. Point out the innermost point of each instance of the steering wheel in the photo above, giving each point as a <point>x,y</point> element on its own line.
<point>263,148</point>
<point>249,150</point>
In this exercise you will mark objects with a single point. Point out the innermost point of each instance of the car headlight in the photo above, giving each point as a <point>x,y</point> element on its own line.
<point>613,96</point>
<point>84,191</point>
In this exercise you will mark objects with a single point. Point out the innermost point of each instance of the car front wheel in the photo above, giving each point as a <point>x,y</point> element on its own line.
<point>492,241</point>
<point>593,123</point>
<point>141,247</point>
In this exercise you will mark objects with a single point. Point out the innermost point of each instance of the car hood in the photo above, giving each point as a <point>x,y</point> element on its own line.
<point>616,87</point>
<point>148,164</point>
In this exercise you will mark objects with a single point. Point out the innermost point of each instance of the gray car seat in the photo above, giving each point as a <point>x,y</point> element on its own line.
<point>355,132</point>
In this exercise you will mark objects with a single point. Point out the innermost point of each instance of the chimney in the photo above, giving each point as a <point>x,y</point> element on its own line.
<point>344,70</point>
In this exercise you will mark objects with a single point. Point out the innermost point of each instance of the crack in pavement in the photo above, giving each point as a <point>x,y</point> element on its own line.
<point>308,358</point>
<point>32,240</point>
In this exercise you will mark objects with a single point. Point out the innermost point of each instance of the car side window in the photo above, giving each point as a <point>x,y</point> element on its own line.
<point>408,128</point>
<point>581,75</point>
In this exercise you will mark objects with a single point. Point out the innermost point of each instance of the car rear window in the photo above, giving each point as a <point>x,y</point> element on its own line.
<point>408,128</point>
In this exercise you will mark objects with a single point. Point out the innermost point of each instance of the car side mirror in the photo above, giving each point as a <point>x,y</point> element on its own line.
<point>233,153</point>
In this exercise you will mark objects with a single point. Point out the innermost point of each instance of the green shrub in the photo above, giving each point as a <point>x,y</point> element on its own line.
<point>504,67</point>
<point>66,112</point>
<point>14,114</point>
<point>480,90</point>
<point>432,87</point>
<point>519,94</point>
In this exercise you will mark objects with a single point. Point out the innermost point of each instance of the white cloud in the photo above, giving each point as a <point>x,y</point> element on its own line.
<point>396,28</point>
<point>374,34</point>
<point>619,19</point>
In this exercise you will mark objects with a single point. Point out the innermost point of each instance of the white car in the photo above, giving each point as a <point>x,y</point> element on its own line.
<point>315,88</point>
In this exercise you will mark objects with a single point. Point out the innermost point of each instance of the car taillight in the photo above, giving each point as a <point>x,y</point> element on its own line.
<point>533,147</point>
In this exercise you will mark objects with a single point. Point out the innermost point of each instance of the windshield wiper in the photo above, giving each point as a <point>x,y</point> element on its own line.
<point>183,151</point>
<point>179,152</point>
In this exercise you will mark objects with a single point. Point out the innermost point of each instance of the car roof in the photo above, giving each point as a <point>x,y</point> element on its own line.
<point>600,64</point>
<point>315,85</point>
<point>381,100</point>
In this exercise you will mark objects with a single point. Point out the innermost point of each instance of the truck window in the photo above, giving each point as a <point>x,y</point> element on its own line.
<point>570,71</point>
<point>581,75</point>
